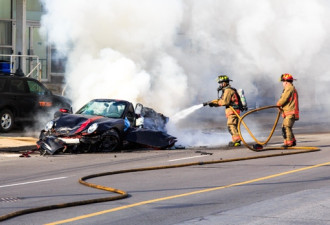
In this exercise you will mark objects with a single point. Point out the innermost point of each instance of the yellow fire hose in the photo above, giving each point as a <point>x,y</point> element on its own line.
<point>241,121</point>
<point>122,194</point>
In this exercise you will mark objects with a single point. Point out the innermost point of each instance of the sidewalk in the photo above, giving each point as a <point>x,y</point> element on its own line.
<point>16,144</point>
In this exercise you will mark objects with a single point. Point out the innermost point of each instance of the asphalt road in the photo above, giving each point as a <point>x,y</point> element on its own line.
<point>288,189</point>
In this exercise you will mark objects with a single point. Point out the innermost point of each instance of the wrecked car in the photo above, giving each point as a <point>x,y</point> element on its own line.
<point>105,125</point>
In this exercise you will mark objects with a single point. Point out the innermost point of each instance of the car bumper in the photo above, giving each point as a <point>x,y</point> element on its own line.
<point>70,141</point>
<point>51,144</point>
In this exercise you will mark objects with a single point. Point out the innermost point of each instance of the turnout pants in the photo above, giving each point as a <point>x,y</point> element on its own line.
<point>232,122</point>
<point>287,133</point>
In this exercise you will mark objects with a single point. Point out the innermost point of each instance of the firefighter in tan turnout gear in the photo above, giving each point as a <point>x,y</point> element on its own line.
<point>290,107</point>
<point>228,98</point>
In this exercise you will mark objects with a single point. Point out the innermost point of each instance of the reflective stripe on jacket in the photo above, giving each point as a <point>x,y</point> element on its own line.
<point>289,101</point>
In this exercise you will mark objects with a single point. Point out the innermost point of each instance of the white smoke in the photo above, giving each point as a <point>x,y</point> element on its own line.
<point>118,49</point>
<point>167,54</point>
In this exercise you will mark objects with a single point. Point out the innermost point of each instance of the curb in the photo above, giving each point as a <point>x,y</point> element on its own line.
<point>17,149</point>
<point>17,144</point>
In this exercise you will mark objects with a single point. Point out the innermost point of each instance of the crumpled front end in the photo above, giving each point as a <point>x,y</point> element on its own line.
<point>72,133</point>
<point>50,145</point>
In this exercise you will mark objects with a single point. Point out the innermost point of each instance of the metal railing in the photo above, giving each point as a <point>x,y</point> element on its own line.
<point>37,68</point>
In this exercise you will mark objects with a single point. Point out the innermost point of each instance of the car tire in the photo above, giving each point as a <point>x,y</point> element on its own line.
<point>110,141</point>
<point>6,120</point>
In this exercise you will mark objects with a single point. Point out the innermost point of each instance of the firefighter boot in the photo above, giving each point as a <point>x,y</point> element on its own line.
<point>288,144</point>
<point>234,144</point>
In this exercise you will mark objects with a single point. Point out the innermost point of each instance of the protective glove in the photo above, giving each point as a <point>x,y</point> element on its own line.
<point>214,103</point>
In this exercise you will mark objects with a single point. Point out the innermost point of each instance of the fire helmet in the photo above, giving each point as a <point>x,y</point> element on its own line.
<point>223,78</point>
<point>287,77</point>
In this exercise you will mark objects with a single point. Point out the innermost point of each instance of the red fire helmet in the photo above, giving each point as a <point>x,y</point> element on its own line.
<point>287,77</point>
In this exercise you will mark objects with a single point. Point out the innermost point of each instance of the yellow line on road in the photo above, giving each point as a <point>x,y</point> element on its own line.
<point>185,194</point>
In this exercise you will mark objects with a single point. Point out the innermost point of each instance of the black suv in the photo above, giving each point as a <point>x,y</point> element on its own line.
<point>24,99</point>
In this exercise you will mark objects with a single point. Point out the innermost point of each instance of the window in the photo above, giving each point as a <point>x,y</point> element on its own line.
<point>36,88</point>
<point>5,9</point>
<point>17,86</point>
<point>33,10</point>
<point>5,32</point>
<point>5,39</point>
<point>5,29</point>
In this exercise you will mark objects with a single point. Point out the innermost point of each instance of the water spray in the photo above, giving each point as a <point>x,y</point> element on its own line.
<point>184,113</point>
<point>211,103</point>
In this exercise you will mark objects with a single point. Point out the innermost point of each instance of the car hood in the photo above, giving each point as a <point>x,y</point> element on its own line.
<point>70,124</point>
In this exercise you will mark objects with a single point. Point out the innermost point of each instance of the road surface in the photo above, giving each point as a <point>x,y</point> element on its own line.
<point>288,189</point>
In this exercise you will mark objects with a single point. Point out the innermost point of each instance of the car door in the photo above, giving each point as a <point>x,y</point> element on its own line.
<point>4,98</point>
<point>19,98</point>
<point>41,96</point>
<point>130,114</point>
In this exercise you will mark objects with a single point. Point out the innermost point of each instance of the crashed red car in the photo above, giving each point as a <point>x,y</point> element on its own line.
<point>105,125</point>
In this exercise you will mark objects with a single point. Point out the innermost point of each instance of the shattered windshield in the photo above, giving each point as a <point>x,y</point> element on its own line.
<point>111,109</point>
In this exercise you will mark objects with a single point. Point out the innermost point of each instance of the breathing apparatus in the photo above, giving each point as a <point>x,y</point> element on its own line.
<point>221,79</point>
<point>221,86</point>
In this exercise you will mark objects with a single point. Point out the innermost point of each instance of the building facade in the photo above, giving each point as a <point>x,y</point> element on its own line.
<point>21,45</point>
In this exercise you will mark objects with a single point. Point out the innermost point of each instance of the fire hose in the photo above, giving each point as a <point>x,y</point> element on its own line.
<point>259,145</point>
<point>122,194</point>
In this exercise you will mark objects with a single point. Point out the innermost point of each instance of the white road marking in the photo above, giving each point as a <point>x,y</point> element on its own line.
<point>197,156</point>
<point>31,182</point>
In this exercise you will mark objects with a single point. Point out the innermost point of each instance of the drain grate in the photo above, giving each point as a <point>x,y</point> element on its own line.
<point>9,199</point>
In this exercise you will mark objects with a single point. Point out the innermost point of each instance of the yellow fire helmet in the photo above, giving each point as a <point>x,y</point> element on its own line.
<point>223,78</point>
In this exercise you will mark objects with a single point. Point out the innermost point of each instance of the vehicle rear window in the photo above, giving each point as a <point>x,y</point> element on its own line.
<point>17,86</point>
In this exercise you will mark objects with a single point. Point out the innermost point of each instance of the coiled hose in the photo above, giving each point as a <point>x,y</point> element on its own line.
<point>122,194</point>
<point>261,144</point>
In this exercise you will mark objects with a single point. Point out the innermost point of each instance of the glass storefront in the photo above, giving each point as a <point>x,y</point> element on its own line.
<point>5,37</point>
<point>37,47</point>
<point>5,30</point>
<point>34,44</point>
<point>5,9</point>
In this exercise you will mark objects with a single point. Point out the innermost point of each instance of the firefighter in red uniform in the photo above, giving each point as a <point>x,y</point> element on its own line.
<point>290,109</point>
<point>228,98</point>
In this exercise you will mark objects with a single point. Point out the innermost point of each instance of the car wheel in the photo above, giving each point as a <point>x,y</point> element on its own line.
<point>6,120</point>
<point>110,141</point>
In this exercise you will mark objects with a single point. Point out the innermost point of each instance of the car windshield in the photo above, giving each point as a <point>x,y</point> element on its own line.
<point>113,109</point>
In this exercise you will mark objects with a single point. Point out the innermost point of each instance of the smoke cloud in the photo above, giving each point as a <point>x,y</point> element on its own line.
<point>167,54</point>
